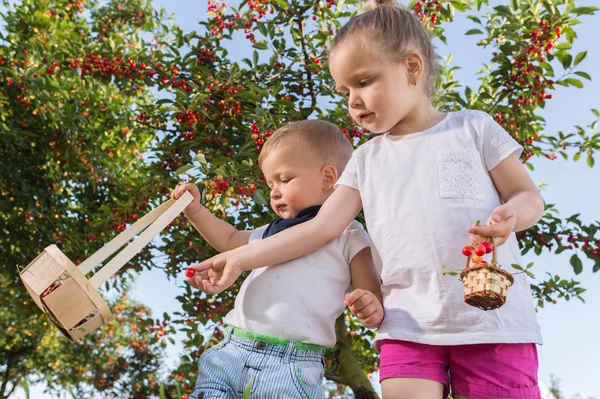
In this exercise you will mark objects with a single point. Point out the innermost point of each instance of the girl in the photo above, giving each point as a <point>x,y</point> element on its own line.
<point>422,183</point>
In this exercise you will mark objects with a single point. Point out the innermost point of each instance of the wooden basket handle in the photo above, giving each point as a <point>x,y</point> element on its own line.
<point>156,221</point>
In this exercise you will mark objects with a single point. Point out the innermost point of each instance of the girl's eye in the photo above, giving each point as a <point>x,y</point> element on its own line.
<point>365,82</point>
<point>345,94</point>
<point>285,180</point>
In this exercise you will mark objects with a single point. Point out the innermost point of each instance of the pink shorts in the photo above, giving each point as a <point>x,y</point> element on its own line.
<point>480,371</point>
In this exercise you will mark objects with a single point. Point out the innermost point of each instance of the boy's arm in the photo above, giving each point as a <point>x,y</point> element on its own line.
<point>221,235</point>
<point>365,301</point>
<point>523,205</point>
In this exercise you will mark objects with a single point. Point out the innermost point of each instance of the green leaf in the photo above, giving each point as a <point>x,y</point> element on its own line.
<point>200,158</point>
<point>566,61</point>
<point>183,169</point>
<point>25,386</point>
<point>590,161</point>
<point>574,82</point>
<point>584,10</point>
<point>260,45</point>
<point>503,10</point>
<point>583,75</point>
<point>474,32</point>
<point>260,198</point>
<point>446,271</point>
<point>579,57</point>
<point>576,263</point>
<point>596,267</point>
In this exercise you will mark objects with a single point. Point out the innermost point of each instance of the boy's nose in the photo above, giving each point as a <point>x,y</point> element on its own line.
<point>275,194</point>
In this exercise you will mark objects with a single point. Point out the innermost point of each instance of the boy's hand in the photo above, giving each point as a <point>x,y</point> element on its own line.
<point>195,205</point>
<point>216,274</point>
<point>499,225</point>
<point>365,306</point>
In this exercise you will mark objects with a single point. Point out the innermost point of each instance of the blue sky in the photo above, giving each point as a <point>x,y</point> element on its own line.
<point>571,350</point>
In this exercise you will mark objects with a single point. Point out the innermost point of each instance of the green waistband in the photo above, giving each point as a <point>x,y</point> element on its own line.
<point>238,332</point>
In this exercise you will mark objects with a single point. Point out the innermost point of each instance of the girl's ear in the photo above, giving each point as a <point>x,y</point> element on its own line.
<point>415,67</point>
<point>329,176</point>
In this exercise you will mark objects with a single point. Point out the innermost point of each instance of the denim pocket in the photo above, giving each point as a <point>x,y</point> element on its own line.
<point>308,378</point>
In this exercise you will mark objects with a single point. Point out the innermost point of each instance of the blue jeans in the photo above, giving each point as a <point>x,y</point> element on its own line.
<point>237,365</point>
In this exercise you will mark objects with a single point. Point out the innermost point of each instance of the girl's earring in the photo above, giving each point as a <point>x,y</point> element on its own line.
<point>413,81</point>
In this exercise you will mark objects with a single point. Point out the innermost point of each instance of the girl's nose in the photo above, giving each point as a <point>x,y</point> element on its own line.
<point>355,101</point>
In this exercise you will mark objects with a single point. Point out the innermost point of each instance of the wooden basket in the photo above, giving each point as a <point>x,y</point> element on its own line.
<point>62,291</point>
<point>486,286</point>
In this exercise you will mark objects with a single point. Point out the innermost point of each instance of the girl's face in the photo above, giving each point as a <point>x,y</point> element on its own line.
<point>378,89</point>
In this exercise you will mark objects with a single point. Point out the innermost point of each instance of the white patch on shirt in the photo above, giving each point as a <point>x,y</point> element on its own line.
<point>458,173</point>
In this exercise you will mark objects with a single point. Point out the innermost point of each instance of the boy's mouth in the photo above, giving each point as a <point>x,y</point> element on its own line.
<point>280,208</point>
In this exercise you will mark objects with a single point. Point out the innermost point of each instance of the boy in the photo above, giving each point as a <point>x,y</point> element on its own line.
<point>284,315</point>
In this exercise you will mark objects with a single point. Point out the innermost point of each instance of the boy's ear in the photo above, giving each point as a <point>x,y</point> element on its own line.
<point>329,176</point>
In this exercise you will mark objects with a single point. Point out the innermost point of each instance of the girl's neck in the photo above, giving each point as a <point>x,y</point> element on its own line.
<point>422,117</point>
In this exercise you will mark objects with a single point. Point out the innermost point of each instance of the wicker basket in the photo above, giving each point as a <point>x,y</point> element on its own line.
<point>62,291</point>
<point>486,285</point>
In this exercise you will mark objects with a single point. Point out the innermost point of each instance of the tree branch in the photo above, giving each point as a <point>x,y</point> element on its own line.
<point>311,84</point>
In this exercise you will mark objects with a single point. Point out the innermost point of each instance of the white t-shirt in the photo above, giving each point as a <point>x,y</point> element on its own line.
<point>420,194</point>
<point>299,300</point>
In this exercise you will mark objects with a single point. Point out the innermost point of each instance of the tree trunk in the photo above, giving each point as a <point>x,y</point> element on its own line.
<point>351,372</point>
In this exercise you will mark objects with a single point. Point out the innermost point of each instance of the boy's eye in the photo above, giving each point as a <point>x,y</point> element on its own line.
<point>285,180</point>
<point>365,82</point>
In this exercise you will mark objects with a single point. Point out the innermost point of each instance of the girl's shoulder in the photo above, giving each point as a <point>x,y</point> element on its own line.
<point>472,115</point>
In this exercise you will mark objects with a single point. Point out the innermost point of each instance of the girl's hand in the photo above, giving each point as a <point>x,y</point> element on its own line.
<point>216,274</point>
<point>499,225</point>
<point>365,306</point>
<point>195,205</point>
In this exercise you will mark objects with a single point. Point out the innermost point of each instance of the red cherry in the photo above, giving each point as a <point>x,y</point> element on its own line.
<point>467,250</point>
<point>489,247</point>
<point>476,259</point>
<point>480,250</point>
<point>190,272</point>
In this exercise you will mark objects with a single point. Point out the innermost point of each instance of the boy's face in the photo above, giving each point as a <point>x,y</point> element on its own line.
<point>293,174</point>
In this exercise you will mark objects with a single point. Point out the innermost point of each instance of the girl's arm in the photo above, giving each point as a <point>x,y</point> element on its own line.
<point>334,216</point>
<point>219,272</point>
<point>523,205</point>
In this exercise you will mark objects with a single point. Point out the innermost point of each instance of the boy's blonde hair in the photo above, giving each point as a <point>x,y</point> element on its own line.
<point>393,29</point>
<point>323,138</point>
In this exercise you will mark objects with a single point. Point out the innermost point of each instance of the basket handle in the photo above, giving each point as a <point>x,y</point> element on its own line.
<point>157,220</point>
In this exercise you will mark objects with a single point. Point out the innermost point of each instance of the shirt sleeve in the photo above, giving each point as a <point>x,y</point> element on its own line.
<point>258,233</point>
<point>497,143</point>
<point>350,175</point>
<point>356,239</point>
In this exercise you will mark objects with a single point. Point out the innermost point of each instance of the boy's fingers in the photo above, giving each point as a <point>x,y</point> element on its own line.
<point>366,311</point>
<point>352,297</point>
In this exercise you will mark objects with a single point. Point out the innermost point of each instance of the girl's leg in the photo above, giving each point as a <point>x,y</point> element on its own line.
<point>413,371</point>
<point>494,371</point>
<point>411,388</point>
